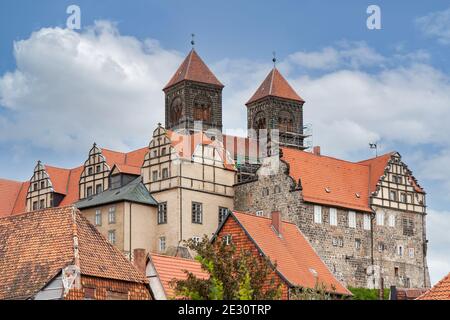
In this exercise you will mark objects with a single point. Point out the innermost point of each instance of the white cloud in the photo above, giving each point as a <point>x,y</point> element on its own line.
<point>438,224</point>
<point>436,25</point>
<point>70,89</point>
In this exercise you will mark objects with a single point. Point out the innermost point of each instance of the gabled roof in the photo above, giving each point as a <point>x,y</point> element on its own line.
<point>127,169</point>
<point>169,268</point>
<point>36,246</point>
<point>275,85</point>
<point>9,192</point>
<point>296,260</point>
<point>441,291</point>
<point>194,69</point>
<point>135,192</point>
<point>330,181</point>
<point>377,167</point>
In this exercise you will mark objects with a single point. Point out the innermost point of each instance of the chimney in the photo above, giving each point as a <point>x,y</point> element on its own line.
<point>276,221</point>
<point>316,150</point>
<point>139,260</point>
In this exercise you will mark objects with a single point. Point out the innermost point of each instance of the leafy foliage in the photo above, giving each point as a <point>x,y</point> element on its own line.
<point>233,275</point>
<point>367,294</point>
<point>319,292</point>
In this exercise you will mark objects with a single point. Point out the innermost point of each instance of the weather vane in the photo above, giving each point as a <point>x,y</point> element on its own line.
<point>274,59</point>
<point>193,40</point>
<point>374,145</point>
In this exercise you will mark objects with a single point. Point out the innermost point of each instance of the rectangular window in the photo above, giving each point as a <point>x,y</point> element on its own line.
<point>403,197</point>
<point>411,252</point>
<point>90,171</point>
<point>357,244</point>
<point>366,221</point>
<point>197,213</point>
<point>227,239</point>
<point>260,213</point>
<point>333,217</point>
<point>400,251</point>
<point>408,227</point>
<point>165,173</point>
<point>35,186</point>
<point>162,244</point>
<point>317,214</point>
<point>98,168</point>
<point>89,191</point>
<point>112,215</point>
<point>162,213</point>
<point>223,212</point>
<point>98,189</point>
<point>410,199</point>
<point>380,218</point>
<point>98,217</point>
<point>393,195</point>
<point>380,246</point>
<point>155,175</point>
<point>396,271</point>
<point>35,205</point>
<point>352,219</point>
<point>42,184</point>
<point>391,221</point>
<point>112,236</point>
<point>42,204</point>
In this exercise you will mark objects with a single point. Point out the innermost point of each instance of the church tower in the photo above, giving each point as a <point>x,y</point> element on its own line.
<point>194,94</point>
<point>276,105</point>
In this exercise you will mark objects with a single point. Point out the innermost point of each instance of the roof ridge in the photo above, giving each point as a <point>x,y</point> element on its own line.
<point>189,62</point>
<point>249,213</point>
<point>271,81</point>
<point>173,257</point>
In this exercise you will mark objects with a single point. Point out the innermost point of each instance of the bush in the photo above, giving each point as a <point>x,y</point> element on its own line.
<point>367,294</point>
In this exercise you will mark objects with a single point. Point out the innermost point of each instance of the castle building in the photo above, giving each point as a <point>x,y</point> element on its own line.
<point>366,220</point>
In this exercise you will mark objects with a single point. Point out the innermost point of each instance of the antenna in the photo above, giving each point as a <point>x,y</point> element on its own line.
<point>374,145</point>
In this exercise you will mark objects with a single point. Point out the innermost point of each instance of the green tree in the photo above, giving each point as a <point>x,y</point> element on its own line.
<point>233,274</point>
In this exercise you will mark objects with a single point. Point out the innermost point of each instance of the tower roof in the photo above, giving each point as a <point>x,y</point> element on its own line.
<point>275,85</point>
<point>193,68</point>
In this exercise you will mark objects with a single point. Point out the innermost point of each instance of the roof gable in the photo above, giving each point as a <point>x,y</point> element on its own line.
<point>275,85</point>
<point>441,291</point>
<point>194,69</point>
<point>9,193</point>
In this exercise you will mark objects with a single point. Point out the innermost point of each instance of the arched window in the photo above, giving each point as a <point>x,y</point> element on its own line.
<point>259,123</point>
<point>176,110</point>
<point>202,108</point>
<point>285,121</point>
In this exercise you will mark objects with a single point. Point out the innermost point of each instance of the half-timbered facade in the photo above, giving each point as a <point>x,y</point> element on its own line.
<point>95,176</point>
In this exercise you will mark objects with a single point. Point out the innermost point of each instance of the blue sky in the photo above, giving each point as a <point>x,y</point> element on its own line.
<point>390,85</point>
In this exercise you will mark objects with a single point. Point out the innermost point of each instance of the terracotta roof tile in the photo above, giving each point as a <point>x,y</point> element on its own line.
<point>194,69</point>
<point>295,258</point>
<point>275,85</point>
<point>441,291</point>
<point>9,192</point>
<point>377,167</point>
<point>169,268</point>
<point>124,168</point>
<point>35,246</point>
<point>344,180</point>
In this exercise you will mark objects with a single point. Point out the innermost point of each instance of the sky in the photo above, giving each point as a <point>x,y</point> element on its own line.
<point>62,90</point>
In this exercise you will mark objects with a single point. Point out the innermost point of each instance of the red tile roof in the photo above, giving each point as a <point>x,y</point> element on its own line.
<point>441,291</point>
<point>194,69</point>
<point>123,168</point>
<point>9,191</point>
<point>377,167</point>
<point>296,260</point>
<point>275,85</point>
<point>169,268</point>
<point>36,246</point>
<point>330,181</point>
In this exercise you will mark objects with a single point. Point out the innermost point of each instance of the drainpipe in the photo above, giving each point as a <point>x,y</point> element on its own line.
<point>130,234</point>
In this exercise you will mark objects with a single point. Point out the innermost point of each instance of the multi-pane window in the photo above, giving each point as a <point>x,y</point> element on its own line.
<point>197,213</point>
<point>35,205</point>
<point>162,244</point>
<point>42,204</point>
<point>317,214</point>
<point>259,213</point>
<point>333,217</point>
<point>380,246</point>
<point>352,219</point>
<point>162,213</point>
<point>89,191</point>
<point>393,195</point>
<point>366,222</point>
<point>403,197</point>
<point>112,236</point>
<point>408,227</point>
<point>165,173</point>
<point>223,212</point>
<point>112,215</point>
<point>391,220</point>
<point>227,239</point>
<point>380,218</point>
<point>155,175</point>
<point>98,217</point>
<point>98,189</point>
<point>411,252</point>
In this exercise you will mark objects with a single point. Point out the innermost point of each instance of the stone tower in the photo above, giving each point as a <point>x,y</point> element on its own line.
<point>276,105</point>
<point>194,94</point>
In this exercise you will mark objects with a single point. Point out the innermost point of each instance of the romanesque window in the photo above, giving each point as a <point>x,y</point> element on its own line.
<point>352,219</point>
<point>112,215</point>
<point>380,218</point>
<point>285,121</point>
<point>112,236</point>
<point>202,108</point>
<point>317,214</point>
<point>98,217</point>
<point>265,192</point>
<point>333,217</point>
<point>400,250</point>
<point>197,213</point>
<point>259,122</point>
<point>162,213</point>
<point>176,110</point>
<point>277,189</point>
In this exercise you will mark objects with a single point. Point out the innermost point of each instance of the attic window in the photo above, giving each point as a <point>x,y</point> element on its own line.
<point>327,190</point>
<point>313,272</point>
<point>357,195</point>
